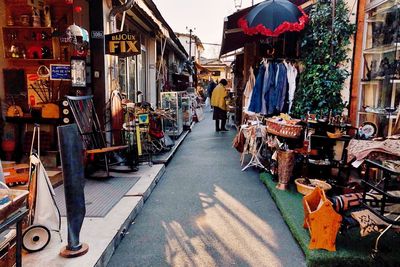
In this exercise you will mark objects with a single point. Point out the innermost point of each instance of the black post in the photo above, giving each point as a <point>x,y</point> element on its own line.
<point>71,150</point>
<point>190,44</point>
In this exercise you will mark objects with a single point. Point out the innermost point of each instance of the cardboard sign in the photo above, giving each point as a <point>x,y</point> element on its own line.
<point>123,44</point>
<point>60,72</point>
<point>36,97</point>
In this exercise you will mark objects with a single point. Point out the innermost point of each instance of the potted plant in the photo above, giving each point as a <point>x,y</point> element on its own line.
<point>325,48</point>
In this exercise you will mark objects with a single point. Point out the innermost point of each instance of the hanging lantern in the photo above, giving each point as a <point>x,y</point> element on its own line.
<point>69,2</point>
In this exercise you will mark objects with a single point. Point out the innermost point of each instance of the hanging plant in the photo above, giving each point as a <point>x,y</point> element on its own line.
<point>324,55</point>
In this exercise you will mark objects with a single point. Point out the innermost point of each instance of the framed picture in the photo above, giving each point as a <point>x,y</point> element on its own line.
<point>78,72</point>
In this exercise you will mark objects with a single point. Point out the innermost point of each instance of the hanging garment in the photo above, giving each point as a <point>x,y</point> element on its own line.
<point>249,89</point>
<point>255,103</point>
<point>276,88</point>
<point>291,77</point>
<point>280,87</point>
<point>269,85</point>
<point>265,90</point>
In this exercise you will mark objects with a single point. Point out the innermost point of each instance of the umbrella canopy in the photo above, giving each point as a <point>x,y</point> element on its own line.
<point>272,18</point>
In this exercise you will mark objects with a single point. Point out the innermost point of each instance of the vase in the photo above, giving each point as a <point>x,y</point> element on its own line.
<point>286,160</point>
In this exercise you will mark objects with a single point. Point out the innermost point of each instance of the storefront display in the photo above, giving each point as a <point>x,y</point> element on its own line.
<point>45,44</point>
<point>187,110</point>
<point>173,102</point>
<point>379,93</point>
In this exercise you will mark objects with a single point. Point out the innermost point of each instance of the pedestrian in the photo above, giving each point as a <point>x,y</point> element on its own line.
<point>218,101</point>
<point>210,89</point>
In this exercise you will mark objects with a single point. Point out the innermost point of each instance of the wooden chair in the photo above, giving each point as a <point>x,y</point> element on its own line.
<point>84,112</point>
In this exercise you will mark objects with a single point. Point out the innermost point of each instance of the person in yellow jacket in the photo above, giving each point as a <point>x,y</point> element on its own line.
<point>218,101</point>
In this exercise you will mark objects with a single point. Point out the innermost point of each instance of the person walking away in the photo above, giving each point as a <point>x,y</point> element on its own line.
<point>210,89</point>
<point>218,101</point>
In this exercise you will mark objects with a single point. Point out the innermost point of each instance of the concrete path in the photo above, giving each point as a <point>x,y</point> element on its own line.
<point>206,212</point>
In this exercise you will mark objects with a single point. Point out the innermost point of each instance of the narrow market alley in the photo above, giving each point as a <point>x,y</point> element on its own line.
<point>206,212</point>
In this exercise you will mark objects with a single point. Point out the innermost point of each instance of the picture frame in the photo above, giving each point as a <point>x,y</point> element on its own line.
<point>78,72</point>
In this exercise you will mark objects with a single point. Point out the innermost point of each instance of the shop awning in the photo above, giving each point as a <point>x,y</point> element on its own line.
<point>201,68</point>
<point>233,36</point>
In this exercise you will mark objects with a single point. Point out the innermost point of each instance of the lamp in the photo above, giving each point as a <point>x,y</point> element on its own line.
<point>238,4</point>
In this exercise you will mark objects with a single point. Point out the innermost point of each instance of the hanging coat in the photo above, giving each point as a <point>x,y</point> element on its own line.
<point>291,76</point>
<point>255,103</point>
<point>265,90</point>
<point>281,87</point>
<point>249,89</point>
<point>269,84</point>
<point>277,89</point>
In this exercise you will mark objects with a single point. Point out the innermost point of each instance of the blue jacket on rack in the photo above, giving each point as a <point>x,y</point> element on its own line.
<point>256,103</point>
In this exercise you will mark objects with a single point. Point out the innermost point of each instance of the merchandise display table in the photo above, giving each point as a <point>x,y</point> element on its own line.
<point>363,149</point>
<point>255,135</point>
<point>16,218</point>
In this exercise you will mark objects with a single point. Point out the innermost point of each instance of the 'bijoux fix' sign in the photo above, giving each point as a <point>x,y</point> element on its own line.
<point>123,44</point>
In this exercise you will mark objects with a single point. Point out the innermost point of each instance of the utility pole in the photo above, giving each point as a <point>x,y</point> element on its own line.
<point>190,41</point>
<point>190,44</point>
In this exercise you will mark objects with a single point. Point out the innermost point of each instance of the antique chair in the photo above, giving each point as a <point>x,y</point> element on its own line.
<point>93,138</point>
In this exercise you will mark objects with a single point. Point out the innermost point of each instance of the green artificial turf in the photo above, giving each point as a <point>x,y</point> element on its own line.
<point>351,248</point>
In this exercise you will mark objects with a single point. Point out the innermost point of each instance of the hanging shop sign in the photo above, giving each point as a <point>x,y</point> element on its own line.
<point>123,44</point>
<point>60,72</point>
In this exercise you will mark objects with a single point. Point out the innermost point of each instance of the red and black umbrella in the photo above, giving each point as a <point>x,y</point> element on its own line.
<point>273,17</point>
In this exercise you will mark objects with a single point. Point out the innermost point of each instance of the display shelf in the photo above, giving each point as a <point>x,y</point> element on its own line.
<point>371,82</point>
<point>383,49</point>
<point>173,102</point>
<point>381,65</point>
<point>28,43</point>
<point>393,116</point>
<point>26,27</point>
<point>374,20</point>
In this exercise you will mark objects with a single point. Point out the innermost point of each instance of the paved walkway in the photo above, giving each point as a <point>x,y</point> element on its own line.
<point>206,212</point>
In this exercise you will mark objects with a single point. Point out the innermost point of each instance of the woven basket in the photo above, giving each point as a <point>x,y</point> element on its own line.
<point>17,197</point>
<point>306,189</point>
<point>283,129</point>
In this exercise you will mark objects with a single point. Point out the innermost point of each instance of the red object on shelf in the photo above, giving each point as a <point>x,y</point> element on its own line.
<point>78,9</point>
<point>32,101</point>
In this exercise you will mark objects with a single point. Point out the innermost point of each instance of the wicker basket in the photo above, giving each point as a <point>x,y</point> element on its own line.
<point>18,198</point>
<point>306,189</point>
<point>283,129</point>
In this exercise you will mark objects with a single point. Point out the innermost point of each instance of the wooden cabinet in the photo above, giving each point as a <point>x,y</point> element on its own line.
<point>379,95</point>
<point>28,43</point>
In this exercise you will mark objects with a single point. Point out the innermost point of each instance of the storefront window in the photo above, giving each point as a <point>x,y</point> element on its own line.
<point>142,77</point>
<point>128,83</point>
<point>132,78</point>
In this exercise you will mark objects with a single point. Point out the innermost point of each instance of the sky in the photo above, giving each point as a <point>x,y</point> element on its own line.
<point>205,17</point>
